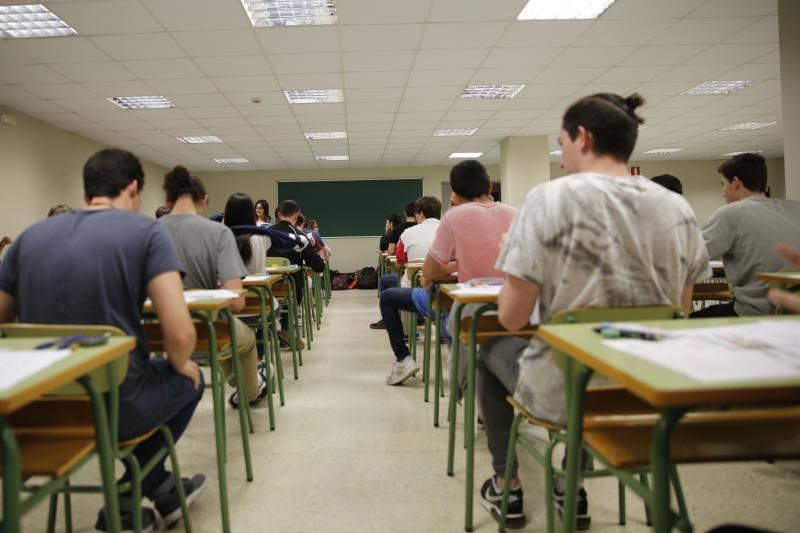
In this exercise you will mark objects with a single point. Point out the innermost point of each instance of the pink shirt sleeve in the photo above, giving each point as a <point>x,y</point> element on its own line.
<point>444,247</point>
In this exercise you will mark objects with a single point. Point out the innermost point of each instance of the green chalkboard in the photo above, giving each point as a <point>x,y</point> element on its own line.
<point>351,208</point>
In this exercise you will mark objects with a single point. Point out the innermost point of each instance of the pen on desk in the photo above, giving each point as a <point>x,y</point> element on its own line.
<point>609,332</point>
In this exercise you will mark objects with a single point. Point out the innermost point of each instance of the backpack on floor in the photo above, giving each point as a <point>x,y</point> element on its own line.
<point>367,278</point>
<point>339,282</point>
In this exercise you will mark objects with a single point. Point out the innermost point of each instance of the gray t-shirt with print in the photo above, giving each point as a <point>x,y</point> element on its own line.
<point>206,248</point>
<point>744,235</point>
<point>590,240</point>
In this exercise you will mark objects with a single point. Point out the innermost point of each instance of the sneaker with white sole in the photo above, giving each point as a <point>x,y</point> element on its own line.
<point>233,399</point>
<point>168,504</point>
<point>492,497</point>
<point>402,370</point>
<point>126,518</point>
<point>583,519</point>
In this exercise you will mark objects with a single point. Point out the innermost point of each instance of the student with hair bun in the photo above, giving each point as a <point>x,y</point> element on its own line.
<point>597,237</point>
<point>211,256</point>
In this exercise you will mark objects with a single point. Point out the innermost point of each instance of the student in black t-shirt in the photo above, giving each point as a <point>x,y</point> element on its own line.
<point>392,221</point>
<point>399,229</point>
<point>99,264</point>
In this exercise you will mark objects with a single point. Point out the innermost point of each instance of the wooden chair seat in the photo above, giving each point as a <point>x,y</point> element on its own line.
<point>51,455</point>
<point>252,306</point>
<point>489,327</point>
<point>711,291</point>
<point>748,435</point>
<point>156,342</point>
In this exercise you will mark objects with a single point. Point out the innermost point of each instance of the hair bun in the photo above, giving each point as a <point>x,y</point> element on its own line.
<point>179,177</point>
<point>632,102</point>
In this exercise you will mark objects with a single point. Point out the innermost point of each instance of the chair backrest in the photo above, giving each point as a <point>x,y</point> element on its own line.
<point>273,262</point>
<point>612,314</point>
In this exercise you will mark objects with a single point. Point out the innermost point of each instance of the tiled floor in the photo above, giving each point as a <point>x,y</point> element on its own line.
<point>351,454</point>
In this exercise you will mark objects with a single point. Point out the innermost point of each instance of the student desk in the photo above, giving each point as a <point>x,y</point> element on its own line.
<point>669,392</point>
<point>472,330</point>
<point>77,366</point>
<point>780,279</point>
<point>291,307</point>
<point>205,311</point>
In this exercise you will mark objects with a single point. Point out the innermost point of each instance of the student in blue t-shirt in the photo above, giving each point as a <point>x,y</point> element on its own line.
<point>96,266</point>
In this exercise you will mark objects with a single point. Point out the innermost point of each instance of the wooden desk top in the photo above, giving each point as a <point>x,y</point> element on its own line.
<point>787,278</point>
<point>82,361</point>
<point>261,281</point>
<point>215,304</point>
<point>290,269</point>
<point>658,385</point>
<point>451,290</point>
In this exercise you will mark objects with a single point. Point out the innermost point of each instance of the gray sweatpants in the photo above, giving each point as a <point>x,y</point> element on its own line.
<point>497,373</point>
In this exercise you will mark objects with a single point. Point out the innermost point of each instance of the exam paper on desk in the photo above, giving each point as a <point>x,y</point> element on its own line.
<point>18,365</point>
<point>759,350</point>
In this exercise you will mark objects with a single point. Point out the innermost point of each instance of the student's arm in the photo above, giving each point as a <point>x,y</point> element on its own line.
<point>516,302</point>
<point>790,301</point>
<point>719,233</point>
<point>400,253</point>
<point>433,269</point>
<point>390,250</point>
<point>7,307</point>
<point>166,292</point>
<point>235,284</point>
<point>686,299</point>
<point>313,260</point>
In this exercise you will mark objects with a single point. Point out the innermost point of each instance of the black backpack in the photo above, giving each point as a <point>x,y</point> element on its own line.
<point>367,278</point>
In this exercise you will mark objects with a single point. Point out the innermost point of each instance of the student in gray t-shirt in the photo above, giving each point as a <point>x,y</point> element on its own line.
<point>744,234</point>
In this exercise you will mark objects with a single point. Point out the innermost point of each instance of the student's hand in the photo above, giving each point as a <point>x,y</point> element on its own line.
<point>5,241</point>
<point>782,298</point>
<point>191,371</point>
<point>424,282</point>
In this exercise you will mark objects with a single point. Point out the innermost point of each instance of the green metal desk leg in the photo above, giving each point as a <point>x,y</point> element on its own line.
<point>659,459</point>
<point>294,334</point>
<point>275,343</point>
<point>455,351</point>
<point>438,381</point>
<point>262,298</point>
<point>12,482</point>
<point>245,420</point>
<point>426,347</point>
<point>576,390</point>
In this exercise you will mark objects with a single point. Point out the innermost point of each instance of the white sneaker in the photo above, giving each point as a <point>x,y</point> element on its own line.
<point>402,370</point>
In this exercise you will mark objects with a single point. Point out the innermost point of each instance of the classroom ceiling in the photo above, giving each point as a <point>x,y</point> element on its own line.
<point>402,66</point>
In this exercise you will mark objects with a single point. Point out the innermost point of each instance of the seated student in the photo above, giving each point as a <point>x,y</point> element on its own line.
<point>253,248</point>
<point>410,221</point>
<point>208,249</point>
<point>597,237</point>
<point>161,211</point>
<point>58,210</point>
<point>744,234</point>
<point>262,213</point>
<point>669,181</point>
<point>414,245</point>
<point>312,229</point>
<point>392,221</point>
<point>287,214</point>
<point>99,264</point>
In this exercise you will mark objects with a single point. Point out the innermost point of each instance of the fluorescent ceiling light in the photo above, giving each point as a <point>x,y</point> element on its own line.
<point>200,139</point>
<point>32,20</point>
<point>333,158</point>
<point>454,132</point>
<point>465,155</point>
<point>719,87</point>
<point>141,102</point>
<point>556,152</point>
<point>746,126</point>
<point>491,91</point>
<point>325,135</point>
<point>314,96</point>
<point>290,12</point>
<point>731,154</point>
<point>663,150</point>
<point>563,9</point>
<point>231,160</point>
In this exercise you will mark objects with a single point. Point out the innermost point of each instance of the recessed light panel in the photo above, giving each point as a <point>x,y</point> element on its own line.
<point>556,152</point>
<point>32,20</point>
<point>465,155</point>
<point>454,132</point>
<point>141,102</point>
<point>563,9</point>
<point>491,91</point>
<point>314,96</point>
<point>200,139</point>
<point>719,87</point>
<point>232,160</point>
<point>731,154</point>
<point>326,135</point>
<point>663,150</point>
<point>290,12</point>
<point>746,126</point>
<point>333,158</point>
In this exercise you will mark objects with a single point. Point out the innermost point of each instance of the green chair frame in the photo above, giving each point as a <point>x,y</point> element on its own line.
<point>289,303</point>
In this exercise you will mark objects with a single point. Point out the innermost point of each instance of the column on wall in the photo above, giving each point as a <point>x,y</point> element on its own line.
<point>524,163</point>
<point>788,22</point>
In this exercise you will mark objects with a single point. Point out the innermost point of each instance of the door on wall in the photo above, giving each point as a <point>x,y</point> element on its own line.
<point>446,190</point>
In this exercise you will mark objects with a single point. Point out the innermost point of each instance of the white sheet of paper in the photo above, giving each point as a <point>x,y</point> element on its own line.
<point>18,365</point>
<point>760,350</point>
<point>255,278</point>
<point>219,294</point>
<point>481,290</point>
<point>716,264</point>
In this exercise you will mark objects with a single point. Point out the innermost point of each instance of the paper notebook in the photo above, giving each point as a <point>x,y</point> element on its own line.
<point>18,365</point>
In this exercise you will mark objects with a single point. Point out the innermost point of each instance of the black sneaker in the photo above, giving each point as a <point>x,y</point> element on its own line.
<point>582,518</point>
<point>492,497</point>
<point>167,502</point>
<point>233,399</point>
<point>378,325</point>
<point>126,517</point>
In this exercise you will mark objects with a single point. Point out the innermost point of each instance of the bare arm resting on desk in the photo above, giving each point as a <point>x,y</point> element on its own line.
<point>7,307</point>
<point>515,303</point>
<point>166,292</point>
<point>433,269</point>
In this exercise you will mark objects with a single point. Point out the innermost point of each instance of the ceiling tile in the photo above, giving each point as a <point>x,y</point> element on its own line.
<point>298,39</point>
<point>35,106</point>
<point>425,105</point>
<point>108,89</point>
<point>374,80</point>
<point>543,33</point>
<point>233,65</point>
<point>374,95</point>
<point>58,90</point>
<point>310,81</point>
<point>520,57</point>
<point>622,32</point>
<point>30,74</point>
<point>474,10</point>
<point>304,63</point>
<point>245,99</point>
<point>662,55</point>
<point>731,54</point>
<point>462,34</point>
<point>763,31</point>
<point>200,100</point>
<point>255,84</point>
<point>9,93</point>
<point>692,73</point>
<point>381,37</point>
<point>381,11</point>
<point>187,15</point>
<point>207,112</point>
<point>372,61</point>
<point>735,8</point>
<point>698,31</point>
<point>630,74</point>
<point>597,56</point>
<point>433,93</point>
<point>568,75</point>
<point>68,50</point>
<point>648,9</point>
<point>108,17</point>
<point>218,43</point>
<point>140,46</point>
<point>154,69</point>
<point>12,56</point>
<point>491,76</point>
<point>424,78</point>
<point>94,71</point>
<point>372,107</point>
<point>465,58</point>
<point>183,86</point>
<point>753,71</point>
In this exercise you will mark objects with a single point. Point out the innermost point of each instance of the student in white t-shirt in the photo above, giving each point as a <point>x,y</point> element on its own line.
<point>597,237</point>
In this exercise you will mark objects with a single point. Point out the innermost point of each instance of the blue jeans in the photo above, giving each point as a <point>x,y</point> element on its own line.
<point>392,302</point>
<point>388,281</point>
<point>178,400</point>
